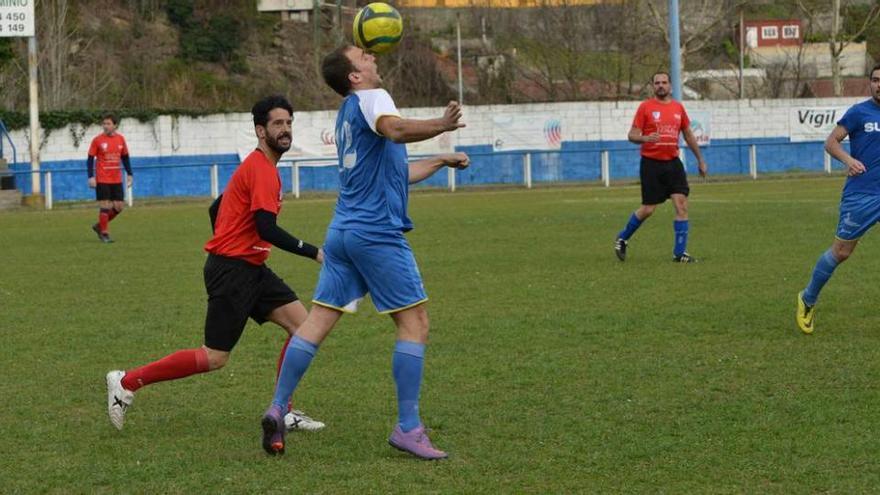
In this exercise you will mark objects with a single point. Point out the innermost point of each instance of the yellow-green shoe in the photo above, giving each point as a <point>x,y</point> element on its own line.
<point>806,315</point>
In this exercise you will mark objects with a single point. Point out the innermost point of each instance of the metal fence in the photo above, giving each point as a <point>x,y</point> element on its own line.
<point>594,165</point>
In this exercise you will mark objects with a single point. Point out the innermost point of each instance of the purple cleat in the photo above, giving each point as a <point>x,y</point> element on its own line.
<point>416,442</point>
<point>273,430</point>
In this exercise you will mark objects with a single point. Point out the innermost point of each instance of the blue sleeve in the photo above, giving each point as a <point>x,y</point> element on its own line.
<point>850,120</point>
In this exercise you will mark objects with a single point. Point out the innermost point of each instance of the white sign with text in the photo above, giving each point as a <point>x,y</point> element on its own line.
<point>813,123</point>
<point>16,18</point>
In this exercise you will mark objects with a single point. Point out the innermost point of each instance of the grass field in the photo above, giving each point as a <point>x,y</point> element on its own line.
<point>552,368</point>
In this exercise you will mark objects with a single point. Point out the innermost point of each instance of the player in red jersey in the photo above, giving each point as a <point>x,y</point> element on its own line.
<point>656,127</point>
<point>108,149</point>
<point>237,280</point>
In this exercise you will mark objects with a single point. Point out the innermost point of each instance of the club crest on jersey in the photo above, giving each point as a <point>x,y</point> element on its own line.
<point>104,146</point>
<point>678,116</point>
<point>656,115</point>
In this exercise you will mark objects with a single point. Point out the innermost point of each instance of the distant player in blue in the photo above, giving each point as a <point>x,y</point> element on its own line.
<point>365,250</point>
<point>860,202</point>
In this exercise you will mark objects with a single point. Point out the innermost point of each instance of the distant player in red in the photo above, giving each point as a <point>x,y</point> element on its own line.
<point>238,283</point>
<point>656,127</point>
<point>110,152</point>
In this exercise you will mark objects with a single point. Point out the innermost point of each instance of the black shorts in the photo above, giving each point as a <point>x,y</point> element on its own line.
<point>238,290</point>
<point>661,179</point>
<point>109,192</point>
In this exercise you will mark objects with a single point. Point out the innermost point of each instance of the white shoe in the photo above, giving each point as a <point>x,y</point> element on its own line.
<point>118,399</point>
<point>297,420</point>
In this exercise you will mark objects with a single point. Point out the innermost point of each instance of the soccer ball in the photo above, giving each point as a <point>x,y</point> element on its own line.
<point>378,28</point>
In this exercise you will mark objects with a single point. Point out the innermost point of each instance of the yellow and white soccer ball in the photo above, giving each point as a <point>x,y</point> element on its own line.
<point>378,28</point>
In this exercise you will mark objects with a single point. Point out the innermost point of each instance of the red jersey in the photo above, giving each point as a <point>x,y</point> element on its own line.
<point>255,185</point>
<point>108,152</point>
<point>666,118</point>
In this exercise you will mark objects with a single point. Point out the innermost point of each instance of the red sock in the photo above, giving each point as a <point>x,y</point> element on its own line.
<point>171,367</point>
<point>113,214</point>
<point>278,368</point>
<point>103,220</point>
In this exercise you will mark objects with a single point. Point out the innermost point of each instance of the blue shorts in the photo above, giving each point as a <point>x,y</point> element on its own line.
<point>357,262</point>
<point>858,213</point>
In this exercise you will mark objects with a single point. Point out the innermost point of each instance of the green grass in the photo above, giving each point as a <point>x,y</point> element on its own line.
<point>552,368</point>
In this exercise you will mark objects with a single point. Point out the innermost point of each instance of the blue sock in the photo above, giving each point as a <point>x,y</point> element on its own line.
<point>406,366</point>
<point>681,237</point>
<point>631,226</point>
<point>296,361</point>
<point>821,273</point>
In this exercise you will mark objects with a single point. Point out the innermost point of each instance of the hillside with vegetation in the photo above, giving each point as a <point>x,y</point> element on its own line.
<point>143,57</point>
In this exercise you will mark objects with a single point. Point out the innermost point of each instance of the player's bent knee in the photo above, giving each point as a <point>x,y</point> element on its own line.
<point>216,359</point>
<point>646,211</point>
<point>842,250</point>
<point>412,323</point>
<point>842,255</point>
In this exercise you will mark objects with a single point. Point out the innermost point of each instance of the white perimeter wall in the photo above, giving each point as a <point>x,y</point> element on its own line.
<point>581,121</point>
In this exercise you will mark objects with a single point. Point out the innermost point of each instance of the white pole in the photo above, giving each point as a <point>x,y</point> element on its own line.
<point>129,195</point>
<point>527,170</point>
<point>215,182</point>
<point>450,174</point>
<point>605,169</point>
<point>753,161</point>
<point>827,163</point>
<point>742,54</point>
<point>458,42</point>
<point>296,179</point>
<point>34,115</point>
<point>48,189</point>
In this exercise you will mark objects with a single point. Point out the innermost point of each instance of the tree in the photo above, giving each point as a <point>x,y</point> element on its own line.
<point>704,17</point>
<point>839,42</point>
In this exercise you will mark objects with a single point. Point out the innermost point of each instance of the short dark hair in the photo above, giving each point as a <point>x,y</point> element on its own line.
<point>335,68</point>
<point>111,117</point>
<point>873,70</point>
<point>659,72</point>
<point>261,109</point>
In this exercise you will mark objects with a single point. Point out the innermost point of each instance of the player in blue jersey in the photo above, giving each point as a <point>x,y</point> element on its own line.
<point>365,250</point>
<point>860,202</point>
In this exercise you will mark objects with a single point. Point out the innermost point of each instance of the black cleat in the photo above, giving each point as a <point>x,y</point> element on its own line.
<point>105,238</point>
<point>273,432</point>
<point>684,258</point>
<point>98,232</point>
<point>620,249</point>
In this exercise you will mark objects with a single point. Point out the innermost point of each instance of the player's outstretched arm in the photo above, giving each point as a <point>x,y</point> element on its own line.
<point>126,162</point>
<point>835,149</point>
<point>402,130</point>
<point>692,143</point>
<point>422,169</point>
<point>90,169</point>
<point>268,229</point>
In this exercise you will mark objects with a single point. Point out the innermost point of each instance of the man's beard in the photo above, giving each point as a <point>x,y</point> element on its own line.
<point>273,143</point>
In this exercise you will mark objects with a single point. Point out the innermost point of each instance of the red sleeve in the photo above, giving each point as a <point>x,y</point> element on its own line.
<point>685,120</point>
<point>264,188</point>
<point>93,148</point>
<point>638,120</point>
<point>124,146</point>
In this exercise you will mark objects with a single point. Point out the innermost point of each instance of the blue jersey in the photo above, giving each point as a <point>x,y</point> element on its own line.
<point>862,123</point>
<point>373,170</point>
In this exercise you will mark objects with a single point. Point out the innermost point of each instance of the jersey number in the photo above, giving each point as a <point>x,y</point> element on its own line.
<point>346,144</point>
